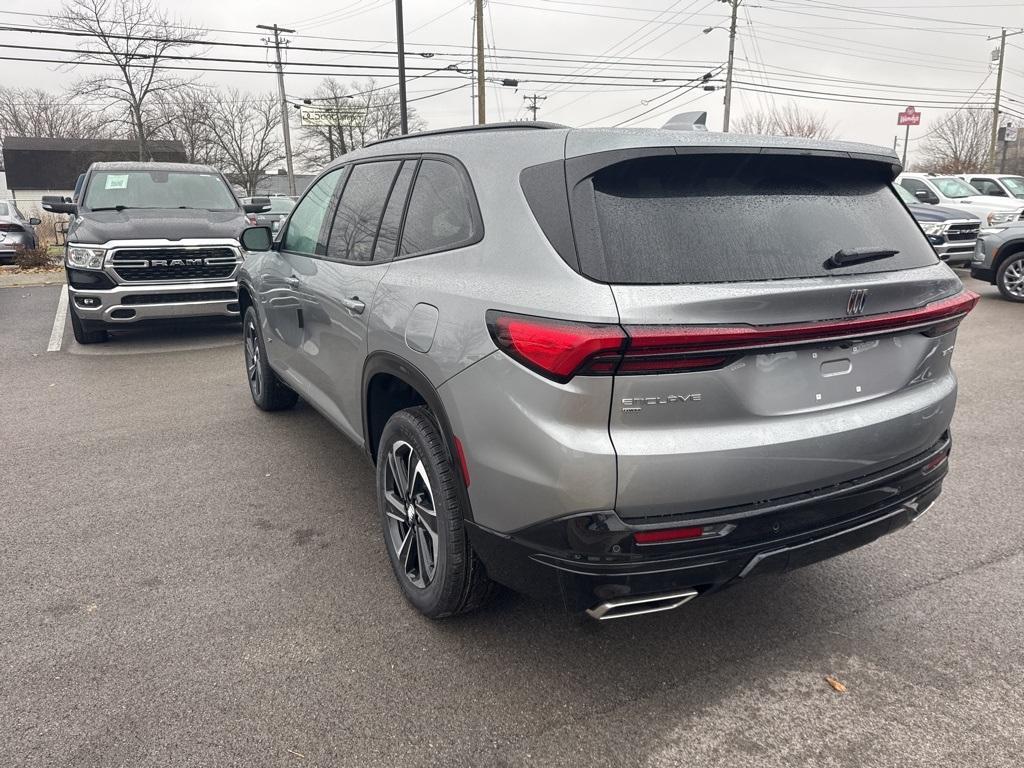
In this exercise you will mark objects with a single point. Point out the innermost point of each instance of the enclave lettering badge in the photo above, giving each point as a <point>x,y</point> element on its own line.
<point>634,404</point>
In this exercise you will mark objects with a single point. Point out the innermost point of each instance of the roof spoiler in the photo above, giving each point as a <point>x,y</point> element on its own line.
<point>687,121</point>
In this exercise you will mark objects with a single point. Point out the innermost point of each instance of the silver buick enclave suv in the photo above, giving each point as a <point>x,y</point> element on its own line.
<point>617,368</point>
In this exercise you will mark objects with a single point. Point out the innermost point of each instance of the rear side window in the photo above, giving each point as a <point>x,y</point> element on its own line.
<point>391,224</point>
<point>306,225</point>
<point>441,210</point>
<point>709,218</point>
<point>359,212</point>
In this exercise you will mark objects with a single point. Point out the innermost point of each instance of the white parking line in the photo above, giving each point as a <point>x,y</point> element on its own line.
<point>57,334</point>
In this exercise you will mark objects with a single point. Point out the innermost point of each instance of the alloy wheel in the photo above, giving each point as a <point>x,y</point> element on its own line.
<point>252,359</point>
<point>1013,278</point>
<point>411,515</point>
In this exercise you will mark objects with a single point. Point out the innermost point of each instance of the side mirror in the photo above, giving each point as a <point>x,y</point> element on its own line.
<point>925,196</point>
<point>258,205</point>
<point>56,204</point>
<point>35,221</point>
<point>256,239</point>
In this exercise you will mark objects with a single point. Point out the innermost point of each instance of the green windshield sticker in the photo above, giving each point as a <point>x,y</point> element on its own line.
<point>117,182</point>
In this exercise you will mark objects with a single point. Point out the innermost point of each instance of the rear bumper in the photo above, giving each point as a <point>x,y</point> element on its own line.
<point>128,304</point>
<point>585,560</point>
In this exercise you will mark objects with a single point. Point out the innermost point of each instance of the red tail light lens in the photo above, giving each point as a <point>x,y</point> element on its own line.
<point>557,349</point>
<point>4,227</point>
<point>668,534</point>
<point>560,349</point>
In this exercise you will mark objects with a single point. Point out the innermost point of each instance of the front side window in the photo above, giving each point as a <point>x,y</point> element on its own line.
<point>158,189</point>
<point>987,187</point>
<point>441,210</point>
<point>306,226</point>
<point>953,187</point>
<point>360,209</point>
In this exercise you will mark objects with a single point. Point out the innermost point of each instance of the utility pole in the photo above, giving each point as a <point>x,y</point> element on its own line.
<point>532,106</point>
<point>481,101</point>
<point>284,104</point>
<point>728,76</point>
<point>403,108</point>
<point>999,92</point>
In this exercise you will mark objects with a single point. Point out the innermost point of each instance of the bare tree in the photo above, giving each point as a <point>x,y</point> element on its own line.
<point>365,113</point>
<point>958,143</point>
<point>246,129</point>
<point>184,115</point>
<point>35,112</point>
<point>788,120</point>
<point>134,38</point>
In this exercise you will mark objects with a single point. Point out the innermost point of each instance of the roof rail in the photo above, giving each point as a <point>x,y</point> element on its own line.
<point>507,126</point>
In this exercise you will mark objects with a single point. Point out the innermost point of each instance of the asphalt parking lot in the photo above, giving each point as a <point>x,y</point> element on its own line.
<point>188,581</point>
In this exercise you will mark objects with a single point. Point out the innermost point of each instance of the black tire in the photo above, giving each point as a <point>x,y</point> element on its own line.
<point>1010,278</point>
<point>86,334</point>
<point>458,582</point>
<point>267,390</point>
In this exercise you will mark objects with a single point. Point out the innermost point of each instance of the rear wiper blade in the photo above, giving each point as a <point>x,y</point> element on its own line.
<point>111,208</point>
<point>849,256</point>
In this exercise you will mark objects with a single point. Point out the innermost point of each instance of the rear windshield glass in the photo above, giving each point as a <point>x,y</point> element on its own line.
<point>725,218</point>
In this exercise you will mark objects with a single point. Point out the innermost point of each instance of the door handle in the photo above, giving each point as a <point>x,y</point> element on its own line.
<point>292,282</point>
<point>353,305</point>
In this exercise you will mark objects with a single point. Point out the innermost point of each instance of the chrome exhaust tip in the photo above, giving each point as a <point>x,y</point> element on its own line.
<point>623,607</point>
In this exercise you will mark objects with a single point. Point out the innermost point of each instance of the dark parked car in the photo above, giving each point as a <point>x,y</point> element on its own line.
<point>17,233</point>
<point>999,259</point>
<point>951,232</point>
<point>280,207</point>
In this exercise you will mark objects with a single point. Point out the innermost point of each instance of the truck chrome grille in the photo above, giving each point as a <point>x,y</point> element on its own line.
<point>174,264</point>
<point>961,232</point>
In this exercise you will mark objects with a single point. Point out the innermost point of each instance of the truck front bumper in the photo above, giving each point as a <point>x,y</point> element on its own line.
<point>126,304</point>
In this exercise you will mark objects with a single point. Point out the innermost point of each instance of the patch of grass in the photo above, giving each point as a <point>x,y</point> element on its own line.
<point>36,258</point>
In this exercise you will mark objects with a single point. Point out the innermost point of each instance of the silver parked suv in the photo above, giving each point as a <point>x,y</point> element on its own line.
<point>617,368</point>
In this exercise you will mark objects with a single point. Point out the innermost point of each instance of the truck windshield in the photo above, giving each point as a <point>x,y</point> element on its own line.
<point>158,189</point>
<point>1015,184</point>
<point>953,187</point>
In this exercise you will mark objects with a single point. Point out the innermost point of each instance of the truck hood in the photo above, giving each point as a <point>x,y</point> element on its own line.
<point>996,203</point>
<point>99,227</point>
<point>924,212</point>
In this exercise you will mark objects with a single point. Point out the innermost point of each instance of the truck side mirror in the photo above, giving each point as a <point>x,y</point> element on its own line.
<point>56,204</point>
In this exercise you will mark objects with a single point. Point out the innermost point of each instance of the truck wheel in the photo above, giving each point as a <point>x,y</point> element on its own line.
<point>1010,278</point>
<point>421,513</point>
<point>84,335</point>
<point>267,390</point>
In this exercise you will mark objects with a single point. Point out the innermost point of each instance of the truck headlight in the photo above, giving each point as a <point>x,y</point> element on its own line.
<point>1000,217</point>
<point>85,258</point>
<point>933,229</point>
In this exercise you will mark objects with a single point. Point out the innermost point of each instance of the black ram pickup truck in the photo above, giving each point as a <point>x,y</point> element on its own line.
<point>151,241</point>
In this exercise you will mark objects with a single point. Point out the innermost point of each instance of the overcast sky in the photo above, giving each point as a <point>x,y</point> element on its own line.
<point>931,54</point>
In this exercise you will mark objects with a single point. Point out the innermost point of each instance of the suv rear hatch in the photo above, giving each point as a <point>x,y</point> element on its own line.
<point>757,367</point>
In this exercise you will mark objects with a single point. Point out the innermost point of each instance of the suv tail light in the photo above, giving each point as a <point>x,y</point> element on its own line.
<point>561,349</point>
<point>4,227</point>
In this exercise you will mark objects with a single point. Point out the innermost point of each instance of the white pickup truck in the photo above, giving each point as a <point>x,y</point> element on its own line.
<point>957,193</point>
